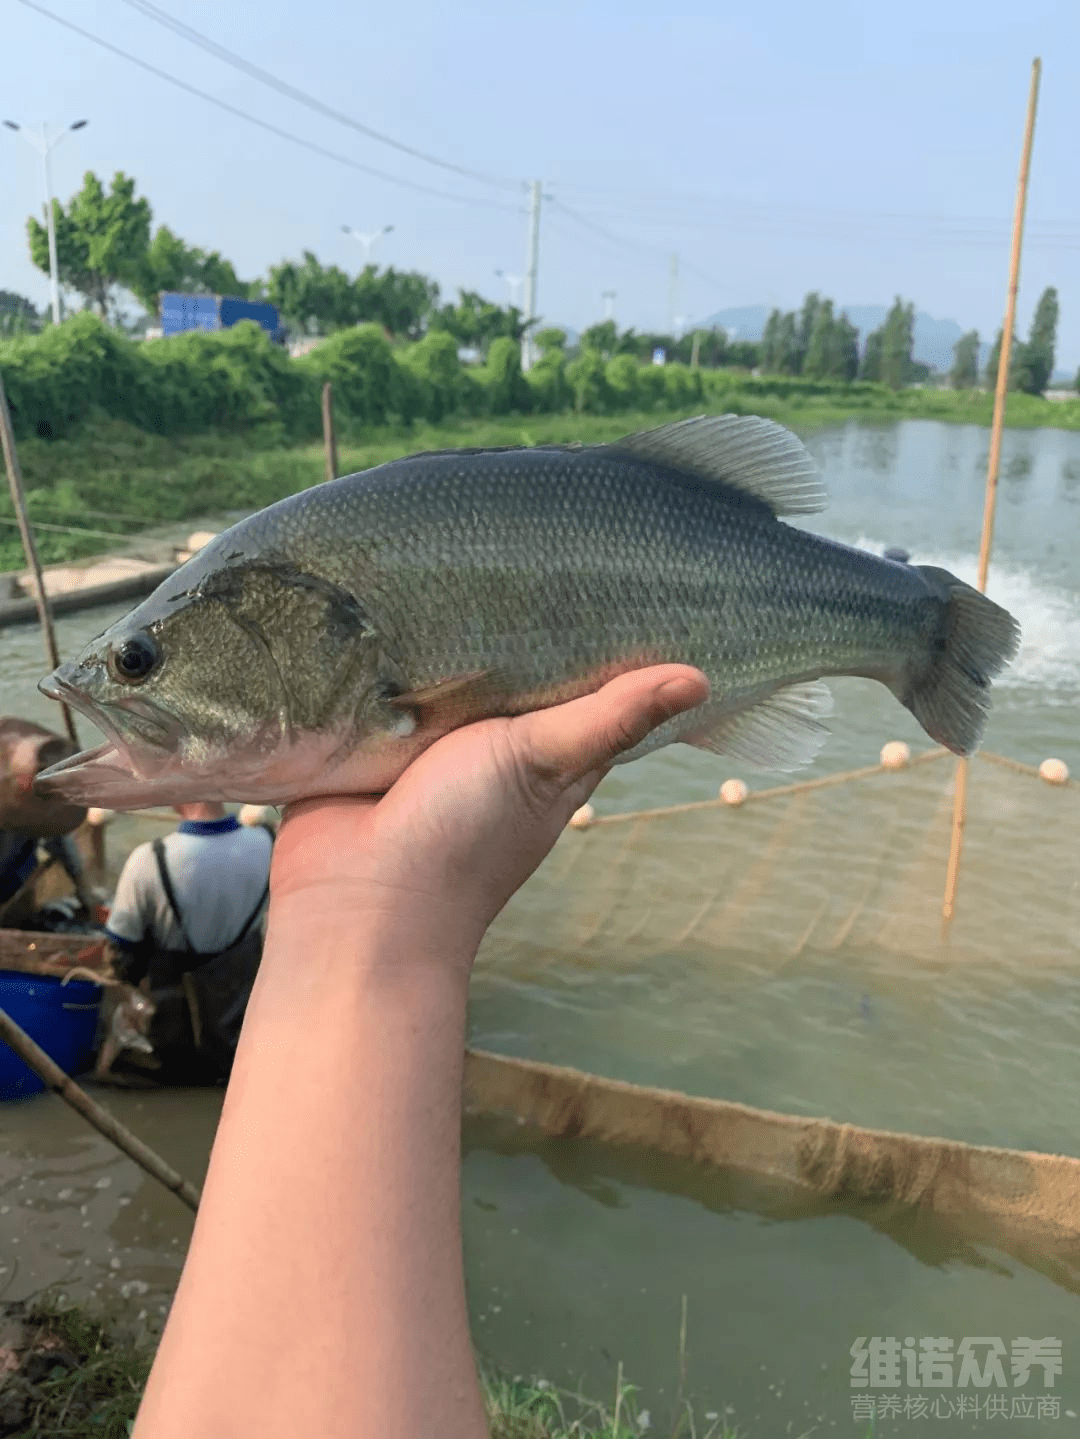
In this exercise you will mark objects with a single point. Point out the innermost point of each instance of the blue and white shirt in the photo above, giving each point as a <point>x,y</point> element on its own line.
<point>218,870</point>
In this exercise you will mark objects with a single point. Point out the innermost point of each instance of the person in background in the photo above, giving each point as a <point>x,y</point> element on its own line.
<point>185,924</point>
<point>34,831</point>
<point>20,860</point>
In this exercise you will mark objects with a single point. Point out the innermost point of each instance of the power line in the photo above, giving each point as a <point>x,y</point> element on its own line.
<point>606,234</point>
<point>653,251</point>
<point>826,223</point>
<point>735,206</point>
<point>266,124</point>
<point>238,62</point>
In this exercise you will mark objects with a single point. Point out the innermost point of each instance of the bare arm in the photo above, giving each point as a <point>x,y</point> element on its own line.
<point>323,1291</point>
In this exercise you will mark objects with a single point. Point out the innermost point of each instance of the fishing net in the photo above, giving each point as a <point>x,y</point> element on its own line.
<point>853,863</point>
<point>851,866</point>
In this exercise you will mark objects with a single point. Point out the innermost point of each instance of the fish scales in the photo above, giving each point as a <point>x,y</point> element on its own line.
<point>328,639</point>
<point>583,565</point>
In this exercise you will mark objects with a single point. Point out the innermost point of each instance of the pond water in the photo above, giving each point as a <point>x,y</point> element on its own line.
<point>578,1257</point>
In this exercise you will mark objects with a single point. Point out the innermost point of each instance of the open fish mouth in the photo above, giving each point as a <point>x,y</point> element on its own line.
<point>133,728</point>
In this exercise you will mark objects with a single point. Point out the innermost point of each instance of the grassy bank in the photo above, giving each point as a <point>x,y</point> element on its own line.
<point>77,1377</point>
<point>111,479</point>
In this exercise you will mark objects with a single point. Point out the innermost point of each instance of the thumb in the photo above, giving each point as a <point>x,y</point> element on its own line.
<point>582,738</point>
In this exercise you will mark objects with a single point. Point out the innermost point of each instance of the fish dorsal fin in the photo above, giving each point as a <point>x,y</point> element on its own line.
<point>756,457</point>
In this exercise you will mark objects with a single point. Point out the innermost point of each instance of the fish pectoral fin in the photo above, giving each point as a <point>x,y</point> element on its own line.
<point>782,732</point>
<point>757,458</point>
<point>440,691</point>
<point>459,699</point>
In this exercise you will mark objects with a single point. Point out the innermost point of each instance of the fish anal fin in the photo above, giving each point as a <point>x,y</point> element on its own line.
<point>755,457</point>
<point>781,732</point>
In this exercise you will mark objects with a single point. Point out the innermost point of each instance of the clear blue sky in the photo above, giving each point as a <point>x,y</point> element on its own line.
<point>863,150</point>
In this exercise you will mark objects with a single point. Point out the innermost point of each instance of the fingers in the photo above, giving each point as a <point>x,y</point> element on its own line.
<point>570,741</point>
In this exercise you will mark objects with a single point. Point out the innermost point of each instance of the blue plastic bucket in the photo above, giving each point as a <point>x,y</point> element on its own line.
<point>62,1018</point>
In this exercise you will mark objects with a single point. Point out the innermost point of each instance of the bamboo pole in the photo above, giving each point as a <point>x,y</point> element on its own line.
<point>18,499</point>
<point>105,1123</point>
<point>329,437</point>
<point>956,843</point>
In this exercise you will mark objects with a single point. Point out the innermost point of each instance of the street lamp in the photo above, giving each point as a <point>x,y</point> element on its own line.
<point>514,281</point>
<point>44,146</point>
<point>608,297</point>
<point>367,240</point>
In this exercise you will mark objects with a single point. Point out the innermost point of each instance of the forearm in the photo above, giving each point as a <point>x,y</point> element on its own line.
<point>323,1291</point>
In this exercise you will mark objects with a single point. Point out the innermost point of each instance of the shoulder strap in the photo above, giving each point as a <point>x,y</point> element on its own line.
<point>170,893</point>
<point>253,916</point>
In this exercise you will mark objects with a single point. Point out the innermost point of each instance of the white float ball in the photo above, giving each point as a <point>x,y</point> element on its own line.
<point>196,541</point>
<point>1054,771</point>
<point>895,754</point>
<point>98,817</point>
<point>583,817</point>
<point>734,792</point>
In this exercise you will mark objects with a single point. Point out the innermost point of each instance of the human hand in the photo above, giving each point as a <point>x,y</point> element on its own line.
<point>474,815</point>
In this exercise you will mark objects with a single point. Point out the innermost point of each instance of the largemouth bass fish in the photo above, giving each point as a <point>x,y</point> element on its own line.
<point>318,646</point>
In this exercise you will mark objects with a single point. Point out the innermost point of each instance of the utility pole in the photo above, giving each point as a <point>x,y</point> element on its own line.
<point>608,297</point>
<point>45,147</point>
<point>531,272</point>
<point>673,293</point>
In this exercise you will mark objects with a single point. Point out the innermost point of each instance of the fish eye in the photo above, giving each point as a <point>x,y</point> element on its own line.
<point>134,658</point>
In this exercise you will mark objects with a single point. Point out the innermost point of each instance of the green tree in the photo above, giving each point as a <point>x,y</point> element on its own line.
<point>845,364</point>
<point>443,386</point>
<point>548,386</point>
<point>964,374</point>
<point>587,376</point>
<point>770,343</point>
<point>603,338</point>
<point>475,322</point>
<point>897,340</point>
<point>550,340</point>
<point>101,239</point>
<point>805,326</point>
<point>18,316</point>
<point>504,385</point>
<point>170,264</point>
<point>870,368</point>
<point>312,298</point>
<point>993,362</point>
<point>788,358</point>
<point>1035,362</point>
<point>401,300</point>
<point>820,360</point>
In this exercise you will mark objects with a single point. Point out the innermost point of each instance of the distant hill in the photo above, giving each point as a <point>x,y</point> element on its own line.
<point>934,339</point>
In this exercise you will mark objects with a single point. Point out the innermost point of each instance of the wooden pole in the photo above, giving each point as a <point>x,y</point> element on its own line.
<point>105,1123</point>
<point>18,500</point>
<point>329,437</point>
<point>956,844</point>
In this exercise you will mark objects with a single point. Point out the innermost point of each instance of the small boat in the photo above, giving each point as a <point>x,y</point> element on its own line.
<point>57,1008</point>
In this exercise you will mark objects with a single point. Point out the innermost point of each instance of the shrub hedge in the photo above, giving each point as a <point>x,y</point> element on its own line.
<point>235,379</point>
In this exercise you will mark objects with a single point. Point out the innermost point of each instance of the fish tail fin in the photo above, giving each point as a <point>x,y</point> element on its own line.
<point>949,695</point>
